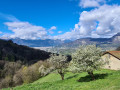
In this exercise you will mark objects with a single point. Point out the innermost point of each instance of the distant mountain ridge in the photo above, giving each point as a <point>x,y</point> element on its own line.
<point>113,41</point>
<point>40,43</point>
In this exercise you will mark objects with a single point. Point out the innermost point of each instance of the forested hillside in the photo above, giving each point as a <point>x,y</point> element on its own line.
<point>10,51</point>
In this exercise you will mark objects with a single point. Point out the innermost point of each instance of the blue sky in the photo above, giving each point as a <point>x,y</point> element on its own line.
<point>58,19</point>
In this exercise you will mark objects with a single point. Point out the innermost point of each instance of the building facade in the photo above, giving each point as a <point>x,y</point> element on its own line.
<point>113,58</point>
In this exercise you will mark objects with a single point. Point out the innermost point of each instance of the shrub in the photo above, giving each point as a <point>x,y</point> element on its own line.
<point>17,78</point>
<point>5,83</point>
<point>14,73</point>
<point>9,69</point>
<point>30,74</point>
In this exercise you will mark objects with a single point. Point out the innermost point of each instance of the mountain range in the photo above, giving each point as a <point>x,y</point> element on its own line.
<point>112,42</point>
<point>39,42</point>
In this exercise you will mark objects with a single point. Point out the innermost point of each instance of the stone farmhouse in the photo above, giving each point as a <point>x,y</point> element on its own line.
<point>113,58</point>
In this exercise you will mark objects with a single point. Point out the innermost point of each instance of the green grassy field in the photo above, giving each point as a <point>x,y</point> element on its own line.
<point>105,80</point>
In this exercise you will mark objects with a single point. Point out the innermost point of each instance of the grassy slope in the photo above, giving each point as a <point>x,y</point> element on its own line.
<point>108,80</point>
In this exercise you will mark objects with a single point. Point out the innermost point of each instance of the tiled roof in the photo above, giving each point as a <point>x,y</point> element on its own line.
<point>114,53</point>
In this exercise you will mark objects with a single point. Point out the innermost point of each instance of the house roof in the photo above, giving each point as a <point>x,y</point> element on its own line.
<point>114,53</point>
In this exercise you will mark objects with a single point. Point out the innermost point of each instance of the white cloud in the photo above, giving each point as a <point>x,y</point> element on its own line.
<point>59,31</point>
<point>8,17</point>
<point>105,20</point>
<point>25,30</point>
<point>91,3</point>
<point>67,35</point>
<point>51,29</point>
<point>0,32</point>
<point>101,22</point>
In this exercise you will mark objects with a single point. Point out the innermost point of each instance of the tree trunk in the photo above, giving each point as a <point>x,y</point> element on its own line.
<point>62,76</point>
<point>92,75</point>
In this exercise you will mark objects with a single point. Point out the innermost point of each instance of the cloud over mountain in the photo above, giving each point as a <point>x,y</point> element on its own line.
<point>25,30</point>
<point>91,3</point>
<point>100,21</point>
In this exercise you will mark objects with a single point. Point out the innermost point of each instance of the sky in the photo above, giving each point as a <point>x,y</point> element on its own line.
<point>59,19</point>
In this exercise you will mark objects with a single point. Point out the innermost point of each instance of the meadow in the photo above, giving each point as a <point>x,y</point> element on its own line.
<point>104,80</point>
